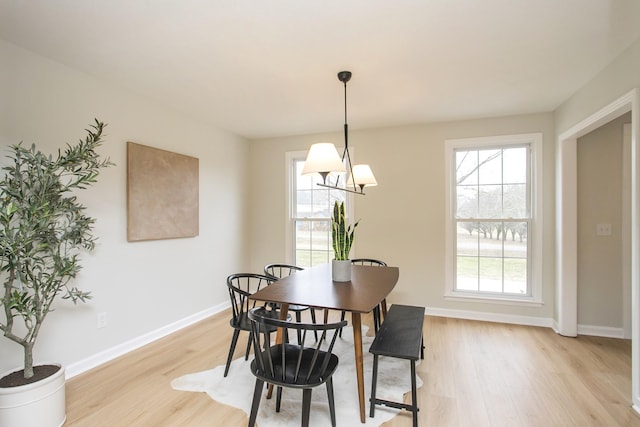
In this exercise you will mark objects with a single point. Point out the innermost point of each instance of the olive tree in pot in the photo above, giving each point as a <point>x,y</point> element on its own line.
<point>342,237</point>
<point>43,229</point>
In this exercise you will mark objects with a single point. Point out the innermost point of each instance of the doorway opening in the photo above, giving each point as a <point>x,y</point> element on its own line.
<point>566,322</point>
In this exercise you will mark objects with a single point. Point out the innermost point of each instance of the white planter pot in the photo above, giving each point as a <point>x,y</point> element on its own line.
<point>341,270</point>
<point>40,404</point>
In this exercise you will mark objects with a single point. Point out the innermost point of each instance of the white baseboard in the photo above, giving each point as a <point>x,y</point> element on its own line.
<point>600,331</point>
<point>597,331</point>
<point>490,317</point>
<point>109,354</point>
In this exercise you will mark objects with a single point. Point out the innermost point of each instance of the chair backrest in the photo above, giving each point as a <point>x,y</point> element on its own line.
<point>281,270</point>
<point>297,365</point>
<point>369,261</point>
<point>241,286</point>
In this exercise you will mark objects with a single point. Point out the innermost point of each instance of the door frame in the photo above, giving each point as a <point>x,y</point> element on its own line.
<point>566,321</point>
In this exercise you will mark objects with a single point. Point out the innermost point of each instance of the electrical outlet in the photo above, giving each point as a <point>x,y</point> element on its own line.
<point>102,320</point>
<point>603,229</point>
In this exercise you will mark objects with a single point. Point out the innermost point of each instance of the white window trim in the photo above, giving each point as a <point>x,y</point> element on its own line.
<point>290,201</point>
<point>290,156</point>
<point>535,139</point>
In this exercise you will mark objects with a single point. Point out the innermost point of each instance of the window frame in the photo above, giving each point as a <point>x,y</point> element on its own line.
<point>534,236</point>
<point>291,157</point>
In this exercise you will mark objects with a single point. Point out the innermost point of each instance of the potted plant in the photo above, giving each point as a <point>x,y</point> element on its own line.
<point>43,229</point>
<point>342,236</point>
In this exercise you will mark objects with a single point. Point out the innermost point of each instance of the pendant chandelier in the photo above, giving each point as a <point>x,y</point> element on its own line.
<point>323,158</point>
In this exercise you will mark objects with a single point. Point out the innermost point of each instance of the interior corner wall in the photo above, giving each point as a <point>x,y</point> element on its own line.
<point>141,286</point>
<point>402,220</point>
<point>617,79</point>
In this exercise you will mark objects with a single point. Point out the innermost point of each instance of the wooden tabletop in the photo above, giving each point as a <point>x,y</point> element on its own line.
<point>314,287</point>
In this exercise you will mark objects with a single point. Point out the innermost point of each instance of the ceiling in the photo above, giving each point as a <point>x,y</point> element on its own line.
<point>262,68</point>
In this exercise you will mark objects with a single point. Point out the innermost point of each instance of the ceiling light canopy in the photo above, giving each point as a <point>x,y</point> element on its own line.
<point>323,158</point>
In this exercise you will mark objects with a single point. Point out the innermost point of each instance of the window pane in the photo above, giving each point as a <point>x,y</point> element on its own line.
<point>467,167</point>
<point>467,201</point>
<point>303,258</point>
<point>515,276</point>
<point>320,203</point>
<point>489,167</point>
<point>490,201</point>
<point>320,257</point>
<point>303,204</point>
<point>515,201</point>
<point>490,274</point>
<point>490,242</point>
<point>514,164</point>
<point>321,236</point>
<point>467,273</point>
<point>303,235</point>
<point>467,242</point>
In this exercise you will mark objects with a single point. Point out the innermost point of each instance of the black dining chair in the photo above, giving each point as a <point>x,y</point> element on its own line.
<point>382,307</point>
<point>278,271</point>
<point>290,365</point>
<point>241,286</point>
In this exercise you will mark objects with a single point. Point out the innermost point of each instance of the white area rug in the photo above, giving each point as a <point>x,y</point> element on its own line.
<point>237,389</point>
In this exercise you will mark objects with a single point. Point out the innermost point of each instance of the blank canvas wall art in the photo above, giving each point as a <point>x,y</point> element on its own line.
<point>162,194</point>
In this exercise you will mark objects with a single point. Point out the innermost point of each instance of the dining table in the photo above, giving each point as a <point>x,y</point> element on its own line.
<point>314,287</point>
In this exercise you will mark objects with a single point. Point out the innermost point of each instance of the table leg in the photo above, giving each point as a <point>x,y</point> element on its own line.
<point>357,345</point>
<point>284,310</point>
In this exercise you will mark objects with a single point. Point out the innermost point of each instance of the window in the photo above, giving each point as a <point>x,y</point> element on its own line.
<point>493,230</point>
<point>309,222</point>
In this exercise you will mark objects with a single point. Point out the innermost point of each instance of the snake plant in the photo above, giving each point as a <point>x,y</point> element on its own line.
<point>342,235</point>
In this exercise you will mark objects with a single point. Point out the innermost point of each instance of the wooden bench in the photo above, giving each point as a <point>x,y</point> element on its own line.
<point>399,336</point>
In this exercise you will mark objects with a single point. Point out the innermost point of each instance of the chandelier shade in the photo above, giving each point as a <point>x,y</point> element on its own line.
<point>323,158</point>
<point>361,177</point>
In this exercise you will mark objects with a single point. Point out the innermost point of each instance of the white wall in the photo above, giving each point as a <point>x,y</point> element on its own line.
<point>403,218</point>
<point>141,286</point>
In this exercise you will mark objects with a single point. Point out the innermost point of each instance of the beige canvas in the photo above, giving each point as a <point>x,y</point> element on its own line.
<point>162,194</point>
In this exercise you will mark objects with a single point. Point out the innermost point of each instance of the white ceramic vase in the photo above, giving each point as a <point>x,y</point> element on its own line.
<point>40,404</point>
<point>341,270</point>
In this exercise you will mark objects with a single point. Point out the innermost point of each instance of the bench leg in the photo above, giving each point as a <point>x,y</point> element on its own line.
<point>376,319</point>
<point>414,394</point>
<point>374,379</point>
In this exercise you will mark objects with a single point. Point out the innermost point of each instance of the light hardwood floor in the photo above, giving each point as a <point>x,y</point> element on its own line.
<point>474,373</point>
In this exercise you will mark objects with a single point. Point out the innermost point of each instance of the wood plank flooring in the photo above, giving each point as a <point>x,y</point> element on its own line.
<point>474,373</point>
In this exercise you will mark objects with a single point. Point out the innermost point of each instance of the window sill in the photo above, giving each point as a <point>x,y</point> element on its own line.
<point>494,299</point>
